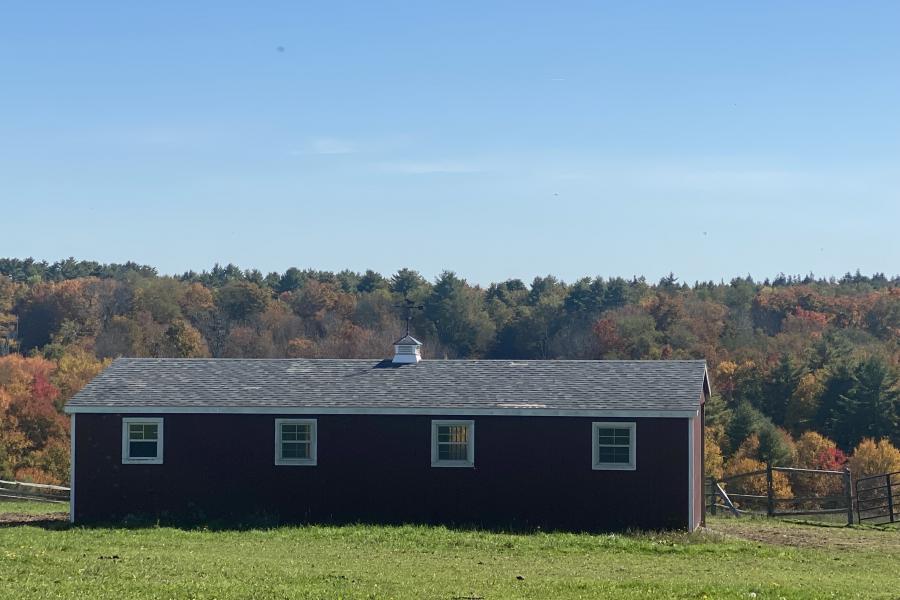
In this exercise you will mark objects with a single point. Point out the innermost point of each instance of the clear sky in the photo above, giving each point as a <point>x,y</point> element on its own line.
<point>496,139</point>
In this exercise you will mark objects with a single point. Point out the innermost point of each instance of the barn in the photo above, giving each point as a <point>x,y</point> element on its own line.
<point>556,444</point>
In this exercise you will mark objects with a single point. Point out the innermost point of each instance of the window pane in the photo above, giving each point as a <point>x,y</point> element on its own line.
<point>295,432</point>
<point>142,449</point>
<point>614,454</point>
<point>453,452</point>
<point>458,451</point>
<point>618,437</point>
<point>143,431</point>
<point>453,433</point>
<point>295,450</point>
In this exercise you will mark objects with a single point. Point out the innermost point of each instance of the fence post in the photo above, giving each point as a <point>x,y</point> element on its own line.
<point>770,491</point>
<point>859,518</point>
<point>890,497</point>
<point>711,482</point>
<point>848,490</point>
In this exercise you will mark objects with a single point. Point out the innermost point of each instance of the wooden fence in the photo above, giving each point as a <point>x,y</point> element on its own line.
<point>19,490</point>
<point>731,494</point>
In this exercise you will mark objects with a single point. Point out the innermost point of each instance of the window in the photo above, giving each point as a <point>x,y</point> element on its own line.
<point>142,441</point>
<point>614,446</point>
<point>295,442</point>
<point>452,443</point>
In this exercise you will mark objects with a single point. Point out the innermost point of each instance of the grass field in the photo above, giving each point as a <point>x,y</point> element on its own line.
<point>30,508</point>
<point>737,559</point>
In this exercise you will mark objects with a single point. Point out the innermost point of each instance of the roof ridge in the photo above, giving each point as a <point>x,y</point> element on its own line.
<point>433,360</point>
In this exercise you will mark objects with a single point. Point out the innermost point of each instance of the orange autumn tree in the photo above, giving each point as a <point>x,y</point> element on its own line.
<point>815,451</point>
<point>74,369</point>
<point>33,432</point>
<point>874,458</point>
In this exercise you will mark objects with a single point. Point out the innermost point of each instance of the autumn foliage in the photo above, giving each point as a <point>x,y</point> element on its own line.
<point>874,458</point>
<point>804,370</point>
<point>33,431</point>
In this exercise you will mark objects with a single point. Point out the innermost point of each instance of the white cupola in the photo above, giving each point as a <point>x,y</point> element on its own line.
<point>406,350</point>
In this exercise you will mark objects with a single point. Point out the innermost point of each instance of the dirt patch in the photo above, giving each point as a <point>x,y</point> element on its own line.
<point>808,536</point>
<point>13,519</point>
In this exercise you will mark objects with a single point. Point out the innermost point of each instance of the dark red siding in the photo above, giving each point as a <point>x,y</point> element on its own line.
<point>529,472</point>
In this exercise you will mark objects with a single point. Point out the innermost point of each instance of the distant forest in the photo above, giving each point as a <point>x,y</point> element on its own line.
<point>788,356</point>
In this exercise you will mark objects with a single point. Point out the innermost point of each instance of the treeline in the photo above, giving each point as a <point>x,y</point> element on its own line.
<point>796,353</point>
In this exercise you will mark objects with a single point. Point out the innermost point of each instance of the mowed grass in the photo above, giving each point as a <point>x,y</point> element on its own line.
<point>434,562</point>
<point>29,507</point>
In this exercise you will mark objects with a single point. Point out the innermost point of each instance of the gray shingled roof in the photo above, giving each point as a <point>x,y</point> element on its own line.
<point>339,385</point>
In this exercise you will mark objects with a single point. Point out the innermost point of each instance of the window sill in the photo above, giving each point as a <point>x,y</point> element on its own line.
<point>613,467</point>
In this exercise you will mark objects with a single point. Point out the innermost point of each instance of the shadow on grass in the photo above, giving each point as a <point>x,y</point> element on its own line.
<point>264,522</point>
<point>53,521</point>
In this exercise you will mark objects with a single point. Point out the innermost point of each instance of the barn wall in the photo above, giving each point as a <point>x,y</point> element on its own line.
<point>529,471</point>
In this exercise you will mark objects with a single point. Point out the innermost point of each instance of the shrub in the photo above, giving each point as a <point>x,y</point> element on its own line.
<point>755,484</point>
<point>815,451</point>
<point>832,459</point>
<point>776,446</point>
<point>749,448</point>
<point>301,348</point>
<point>873,458</point>
<point>713,460</point>
<point>36,475</point>
<point>811,447</point>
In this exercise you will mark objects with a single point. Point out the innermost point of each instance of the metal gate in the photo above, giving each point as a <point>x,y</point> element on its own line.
<point>877,498</point>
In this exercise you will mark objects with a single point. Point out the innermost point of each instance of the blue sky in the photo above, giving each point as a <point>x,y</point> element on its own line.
<point>499,140</point>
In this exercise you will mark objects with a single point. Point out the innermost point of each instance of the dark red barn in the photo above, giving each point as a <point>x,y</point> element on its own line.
<point>561,444</point>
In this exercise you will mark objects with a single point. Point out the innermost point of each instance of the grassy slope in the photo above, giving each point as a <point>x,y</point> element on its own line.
<point>419,562</point>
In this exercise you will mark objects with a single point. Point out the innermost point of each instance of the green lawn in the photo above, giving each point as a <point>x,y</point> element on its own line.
<point>740,559</point>
<point>31,508</point>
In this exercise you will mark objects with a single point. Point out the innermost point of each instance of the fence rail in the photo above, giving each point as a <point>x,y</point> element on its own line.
<point>38,492</point>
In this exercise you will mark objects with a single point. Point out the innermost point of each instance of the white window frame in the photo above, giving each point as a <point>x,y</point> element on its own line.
<point>631,465</point>
<point>126,447</point>
<point>469,462</point>
<point>312,460</point>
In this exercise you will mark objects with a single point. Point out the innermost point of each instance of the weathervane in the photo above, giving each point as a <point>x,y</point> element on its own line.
<point>408,306</point>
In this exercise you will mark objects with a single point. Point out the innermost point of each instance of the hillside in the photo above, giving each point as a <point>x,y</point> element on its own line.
<point>788,356</point>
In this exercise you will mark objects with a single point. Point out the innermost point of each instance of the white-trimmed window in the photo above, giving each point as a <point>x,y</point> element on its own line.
<point>615,446</point>
<point>295,441</point>
<point>142,440</point>
<point>453,443</point>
